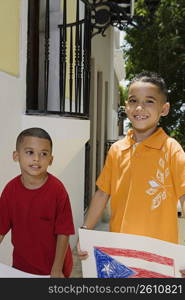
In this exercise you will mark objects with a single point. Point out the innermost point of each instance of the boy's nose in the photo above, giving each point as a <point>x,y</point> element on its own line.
<point>36,157</point>
<point>140,106</point>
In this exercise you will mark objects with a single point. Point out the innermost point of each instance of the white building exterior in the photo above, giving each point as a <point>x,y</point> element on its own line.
<point>69,138</point>
<point>69,134</point>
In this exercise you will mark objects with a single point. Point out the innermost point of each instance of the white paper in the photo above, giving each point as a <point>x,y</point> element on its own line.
<point>9,272</point>
<point>109,253</point>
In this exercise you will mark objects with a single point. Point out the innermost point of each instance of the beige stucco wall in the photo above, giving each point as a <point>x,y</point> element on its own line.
<point>9,36</point>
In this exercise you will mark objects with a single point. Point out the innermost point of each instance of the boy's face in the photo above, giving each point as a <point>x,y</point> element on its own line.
<point>145,105</point>
<point>34,156</point>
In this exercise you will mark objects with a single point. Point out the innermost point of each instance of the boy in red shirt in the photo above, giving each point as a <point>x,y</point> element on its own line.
<point>36,208</point>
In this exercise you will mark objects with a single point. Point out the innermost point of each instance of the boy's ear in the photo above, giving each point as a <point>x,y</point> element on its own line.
<point>165,109</point>
<point>51,160</point>
<point>15,156</point>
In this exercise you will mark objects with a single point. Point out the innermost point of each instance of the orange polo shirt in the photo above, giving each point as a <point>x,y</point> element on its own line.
<point>145,183</point>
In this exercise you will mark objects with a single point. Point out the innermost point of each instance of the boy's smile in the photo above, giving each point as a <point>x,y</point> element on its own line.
<point>139,117</point>
<point>144,107</point>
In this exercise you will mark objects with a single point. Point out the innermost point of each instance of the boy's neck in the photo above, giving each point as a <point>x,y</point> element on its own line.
<point>33,183</point>
<point>140,136</point>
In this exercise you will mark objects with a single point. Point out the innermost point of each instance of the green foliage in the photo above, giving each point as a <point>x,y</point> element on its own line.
<point>157,43</point>
<point>123,92</point>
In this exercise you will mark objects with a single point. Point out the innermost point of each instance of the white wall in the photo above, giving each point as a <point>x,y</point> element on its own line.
<point>69,138</point>
<point>103,52</point>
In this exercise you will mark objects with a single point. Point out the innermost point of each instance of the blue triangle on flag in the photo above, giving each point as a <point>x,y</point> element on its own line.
<point>108,267</point>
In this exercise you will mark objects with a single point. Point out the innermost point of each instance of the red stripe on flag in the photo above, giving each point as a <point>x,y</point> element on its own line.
<point>147,274</point>
<point>138,254</point>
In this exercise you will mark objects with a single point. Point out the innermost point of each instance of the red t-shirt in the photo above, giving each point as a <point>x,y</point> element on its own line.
<point>35,218</point>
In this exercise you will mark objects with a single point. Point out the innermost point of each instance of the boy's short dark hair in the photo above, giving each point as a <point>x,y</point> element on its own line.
<point>154,78</point>
<point>34,132</point>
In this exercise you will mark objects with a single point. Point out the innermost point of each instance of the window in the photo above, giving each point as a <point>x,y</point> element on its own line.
<point>58,59</point>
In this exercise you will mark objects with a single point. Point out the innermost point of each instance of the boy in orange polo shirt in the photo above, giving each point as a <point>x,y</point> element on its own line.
<point>144,173</point>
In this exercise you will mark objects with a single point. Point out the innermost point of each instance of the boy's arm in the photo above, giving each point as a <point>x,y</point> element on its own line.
<point>61,247</point>
<point>97,206</point>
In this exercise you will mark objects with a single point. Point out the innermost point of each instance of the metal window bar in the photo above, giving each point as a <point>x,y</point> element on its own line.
<point>62,78</point>
<point>46,62</point>
<point>71,69</point>
<point>78,61</point>
<point>86,59</point>
<point>32,55</point>
<point>87,177</point>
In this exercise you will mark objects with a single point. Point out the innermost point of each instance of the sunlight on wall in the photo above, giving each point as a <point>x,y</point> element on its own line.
<point>71,10</point>
<point>9,36</point>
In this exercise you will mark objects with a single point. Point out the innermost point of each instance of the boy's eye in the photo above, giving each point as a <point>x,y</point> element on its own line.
<point>149,101</point>
<point>29,152</point>
<point>43,154</point>
<point>132,101</point>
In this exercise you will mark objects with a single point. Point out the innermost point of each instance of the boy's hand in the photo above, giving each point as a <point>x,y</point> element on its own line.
<point>57,274</point>
<point>182,273</point>
<point>82,255</point>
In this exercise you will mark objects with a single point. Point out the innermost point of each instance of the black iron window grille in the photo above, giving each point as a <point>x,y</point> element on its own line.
<point>58,65</point>
<point>117,13</point>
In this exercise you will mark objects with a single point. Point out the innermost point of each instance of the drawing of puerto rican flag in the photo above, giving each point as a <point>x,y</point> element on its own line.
<point>128,263</point>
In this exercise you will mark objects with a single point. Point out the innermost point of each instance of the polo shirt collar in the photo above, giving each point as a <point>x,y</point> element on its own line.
<point>155,141</point>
